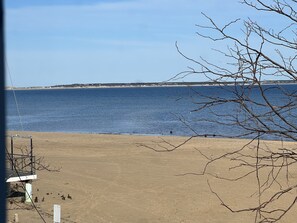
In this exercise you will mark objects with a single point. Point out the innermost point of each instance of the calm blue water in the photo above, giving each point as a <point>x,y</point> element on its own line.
<point>153,111</point>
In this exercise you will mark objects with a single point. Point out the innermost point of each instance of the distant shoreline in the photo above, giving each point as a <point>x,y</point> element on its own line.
<point>142,85</point>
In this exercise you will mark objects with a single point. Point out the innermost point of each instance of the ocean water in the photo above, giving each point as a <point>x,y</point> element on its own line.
<point>144,111</point>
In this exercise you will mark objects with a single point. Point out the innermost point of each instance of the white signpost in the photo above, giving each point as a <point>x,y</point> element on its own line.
<point>57,213</point>
<point>28,194</point>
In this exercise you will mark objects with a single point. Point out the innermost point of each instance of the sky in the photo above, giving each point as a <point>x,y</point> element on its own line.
<point>52,42</point>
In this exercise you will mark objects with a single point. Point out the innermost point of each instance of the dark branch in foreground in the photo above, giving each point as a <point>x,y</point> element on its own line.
<point>259,54</point>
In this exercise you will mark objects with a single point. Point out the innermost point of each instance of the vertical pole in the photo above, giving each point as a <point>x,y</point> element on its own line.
<point>16,218</point>
<point>31,155</point>
<point>57,213</point>
<point>2,121</point>
<point>8,191</point>
<point>11,151</point>
<point>28,194</point>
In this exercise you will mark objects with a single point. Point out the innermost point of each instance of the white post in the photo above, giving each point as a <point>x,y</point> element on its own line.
<point>28,193</point>
<point>16,218</point>
<point>57,213</point>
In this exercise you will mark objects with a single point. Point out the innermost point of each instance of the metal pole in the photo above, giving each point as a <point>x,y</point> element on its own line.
<point>31,155</point>
<point>11,151</point>
<point>2,121</point>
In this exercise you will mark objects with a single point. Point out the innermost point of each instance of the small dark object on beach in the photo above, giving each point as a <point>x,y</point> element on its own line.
<point>36,200</point>
<point>42,199</point>
<point>37,189</point>
<point>69,197</point>
<point>58,193</point>
<point>47,193</point>
<point>63,197</point>
<point>205,135</point>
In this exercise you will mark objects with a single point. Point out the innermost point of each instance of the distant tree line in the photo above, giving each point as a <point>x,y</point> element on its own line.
<point>156,84</point>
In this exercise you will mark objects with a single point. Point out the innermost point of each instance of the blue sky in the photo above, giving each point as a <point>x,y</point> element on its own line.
<point>51,42</point>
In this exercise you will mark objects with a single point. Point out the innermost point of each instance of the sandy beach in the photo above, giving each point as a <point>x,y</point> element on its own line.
<point>112,178</point>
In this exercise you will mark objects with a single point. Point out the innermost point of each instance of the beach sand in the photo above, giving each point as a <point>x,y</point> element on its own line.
<point>112,178</point>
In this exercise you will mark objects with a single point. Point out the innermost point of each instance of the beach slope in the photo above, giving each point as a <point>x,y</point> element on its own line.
<point>112,178</point>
